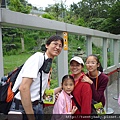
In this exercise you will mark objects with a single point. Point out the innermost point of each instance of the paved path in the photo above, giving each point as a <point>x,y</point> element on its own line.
<point>113,93</point>
<point>112,107</point>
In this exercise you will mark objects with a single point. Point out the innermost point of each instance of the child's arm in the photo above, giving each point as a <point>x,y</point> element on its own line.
<point>58,89</point>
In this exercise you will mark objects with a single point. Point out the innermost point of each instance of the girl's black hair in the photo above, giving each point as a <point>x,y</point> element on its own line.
<point>67,77</point>
<point>100,68</point>
<point>54,38</point>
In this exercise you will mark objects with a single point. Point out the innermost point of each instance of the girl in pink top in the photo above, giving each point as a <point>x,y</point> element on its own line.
<point>63,105</point>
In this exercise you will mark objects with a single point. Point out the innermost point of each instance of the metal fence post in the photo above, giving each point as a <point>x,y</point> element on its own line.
<point>117,96</point>
<point>108,110</point>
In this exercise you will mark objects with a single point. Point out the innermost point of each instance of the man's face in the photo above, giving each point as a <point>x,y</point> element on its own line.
<point>54,48</point>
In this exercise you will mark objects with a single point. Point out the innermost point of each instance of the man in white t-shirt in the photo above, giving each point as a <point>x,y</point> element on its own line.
<point>28,80</point>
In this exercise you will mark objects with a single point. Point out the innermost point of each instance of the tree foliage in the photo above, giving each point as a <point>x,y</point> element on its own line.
<point>102,15</point>
<point>113,21</point>
<point>48,16</point>
<point>96,14</point>
<point>18,6</point>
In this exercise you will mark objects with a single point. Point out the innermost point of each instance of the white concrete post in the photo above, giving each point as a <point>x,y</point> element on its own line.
<point>1,54</point>
<point>104,53</point>
<point>62,62</point>
<point>89,45</point>
<point>116,52</point>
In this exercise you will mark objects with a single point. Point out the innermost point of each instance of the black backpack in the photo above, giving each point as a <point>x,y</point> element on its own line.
<point>6,93</point>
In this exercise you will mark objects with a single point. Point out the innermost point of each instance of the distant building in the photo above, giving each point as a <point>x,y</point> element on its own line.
<point>37,12</point>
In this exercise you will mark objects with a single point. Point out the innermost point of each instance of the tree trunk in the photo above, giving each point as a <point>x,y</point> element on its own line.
<point>22,43</point>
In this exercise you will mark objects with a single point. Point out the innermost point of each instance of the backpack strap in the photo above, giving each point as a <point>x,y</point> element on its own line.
<point>16,92</point>
<point>92,106</point>
<point>40,86</point>
<point>40,70</point>
<point>78,106</point>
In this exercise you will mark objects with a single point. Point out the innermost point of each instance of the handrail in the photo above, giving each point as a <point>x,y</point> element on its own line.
<point>110,73</point>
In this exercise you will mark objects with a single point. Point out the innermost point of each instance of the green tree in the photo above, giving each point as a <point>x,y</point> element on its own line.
<point>17,6</point>
<point>112,23</point>
<point>80,22</point>
<point>114,19</point>
<point>48,16</point>
<point>54,10</point>
<point>98,14</point>
<point>58,11</point>
<point>74,10</point>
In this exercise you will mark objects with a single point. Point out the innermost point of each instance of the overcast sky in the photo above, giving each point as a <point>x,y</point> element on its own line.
<point>44,3</point>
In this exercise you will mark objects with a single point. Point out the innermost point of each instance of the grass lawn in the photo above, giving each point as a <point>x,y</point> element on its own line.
<point>13,61</point>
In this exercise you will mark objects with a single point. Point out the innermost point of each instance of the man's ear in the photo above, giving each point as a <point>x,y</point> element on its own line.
<point>46,46</point>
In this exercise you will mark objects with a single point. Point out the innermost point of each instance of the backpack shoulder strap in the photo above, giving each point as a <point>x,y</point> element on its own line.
<point>78,106</point>
<point>40,70</point>
<point>10,75</point>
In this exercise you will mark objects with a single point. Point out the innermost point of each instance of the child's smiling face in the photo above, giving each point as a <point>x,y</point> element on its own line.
<point>68,86</point>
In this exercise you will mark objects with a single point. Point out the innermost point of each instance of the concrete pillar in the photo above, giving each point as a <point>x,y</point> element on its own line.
<point>111,51</point>
<point>1,54</point>
<point>62,62</point>
<point>104,53</point>
<point>116,52</point>
<point>89,45</point>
